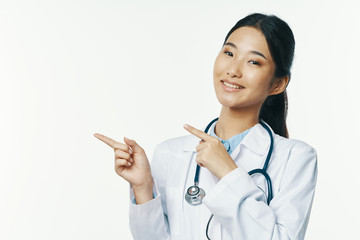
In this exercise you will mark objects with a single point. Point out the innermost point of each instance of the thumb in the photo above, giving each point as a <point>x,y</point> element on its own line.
<point>136,147</point>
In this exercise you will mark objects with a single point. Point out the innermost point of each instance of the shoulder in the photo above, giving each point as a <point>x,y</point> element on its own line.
<point>283,143</point>
<point>295,153</point>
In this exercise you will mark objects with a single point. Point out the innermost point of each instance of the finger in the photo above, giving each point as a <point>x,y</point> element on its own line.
<point>136,147</point>
<point>199,162</point>
<point>122,154</point>
<point>107,140</point>
<point>200,147</point>
<point>122,163</point>
<point>121,146</point>
<point>200,134</point>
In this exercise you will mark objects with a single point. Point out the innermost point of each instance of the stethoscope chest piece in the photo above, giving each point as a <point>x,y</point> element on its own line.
<point>194,195</point>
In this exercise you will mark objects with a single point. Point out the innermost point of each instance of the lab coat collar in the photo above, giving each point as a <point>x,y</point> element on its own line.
<point>257,140</point>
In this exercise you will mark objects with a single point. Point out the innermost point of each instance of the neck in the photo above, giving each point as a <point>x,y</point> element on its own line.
<point>234,121</point>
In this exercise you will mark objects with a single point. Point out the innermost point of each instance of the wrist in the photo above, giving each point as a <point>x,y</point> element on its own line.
<point>227,171</point>
<point>143,193</point>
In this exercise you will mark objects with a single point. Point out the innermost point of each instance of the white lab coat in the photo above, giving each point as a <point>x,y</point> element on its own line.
<point>238,201</point>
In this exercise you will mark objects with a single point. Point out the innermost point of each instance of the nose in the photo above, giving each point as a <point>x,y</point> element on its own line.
<point>234,70</point>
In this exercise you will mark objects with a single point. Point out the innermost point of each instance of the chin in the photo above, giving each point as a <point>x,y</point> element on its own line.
<point>231,103</point>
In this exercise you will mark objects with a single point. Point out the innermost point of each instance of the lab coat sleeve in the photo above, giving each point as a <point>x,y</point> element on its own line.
<point>240,206</point>
<point>148,220</point>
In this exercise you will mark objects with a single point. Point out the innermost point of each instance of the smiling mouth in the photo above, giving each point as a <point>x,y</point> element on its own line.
<point>232,85</point>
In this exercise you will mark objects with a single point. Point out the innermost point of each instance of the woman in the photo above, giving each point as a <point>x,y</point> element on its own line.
<point>251,74</point>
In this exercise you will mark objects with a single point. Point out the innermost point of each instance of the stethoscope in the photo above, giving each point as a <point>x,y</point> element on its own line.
<point>195,194</point>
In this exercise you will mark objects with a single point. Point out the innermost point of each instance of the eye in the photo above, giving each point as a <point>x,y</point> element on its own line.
<point>254,62</point>
<point>228,53</point>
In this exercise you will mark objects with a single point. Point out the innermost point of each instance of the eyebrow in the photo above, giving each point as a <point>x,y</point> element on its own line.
<point>253,51</point>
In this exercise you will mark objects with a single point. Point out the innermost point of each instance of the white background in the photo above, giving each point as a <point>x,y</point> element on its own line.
<point>142,69</point>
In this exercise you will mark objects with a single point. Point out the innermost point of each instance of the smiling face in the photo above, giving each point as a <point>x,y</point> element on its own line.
<point>244,70</point>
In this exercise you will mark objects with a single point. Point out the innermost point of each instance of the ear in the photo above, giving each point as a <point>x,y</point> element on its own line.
<point>279,85</point>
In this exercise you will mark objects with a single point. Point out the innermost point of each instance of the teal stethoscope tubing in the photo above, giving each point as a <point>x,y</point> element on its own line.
<point>258,170</point>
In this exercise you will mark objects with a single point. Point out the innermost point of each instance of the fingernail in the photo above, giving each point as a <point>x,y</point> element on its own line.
<point>131,160</point>
<point>130,151</point>
<point>128,139</point>
<point>186,125</point>
<point>129,163</point>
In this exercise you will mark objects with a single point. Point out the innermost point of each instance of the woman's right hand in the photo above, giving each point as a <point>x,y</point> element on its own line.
<point>131,163</point>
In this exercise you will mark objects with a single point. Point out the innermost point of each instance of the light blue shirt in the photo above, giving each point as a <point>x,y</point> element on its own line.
<point>231,143</point>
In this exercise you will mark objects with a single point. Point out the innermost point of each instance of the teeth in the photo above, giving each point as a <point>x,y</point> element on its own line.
<point>231,85</point>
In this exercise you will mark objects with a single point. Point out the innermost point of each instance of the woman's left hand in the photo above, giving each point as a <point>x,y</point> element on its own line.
<point>212,154</point>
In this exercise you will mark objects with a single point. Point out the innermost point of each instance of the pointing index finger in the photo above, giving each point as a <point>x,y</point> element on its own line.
<point>107,140</point>
<point>200,134</point>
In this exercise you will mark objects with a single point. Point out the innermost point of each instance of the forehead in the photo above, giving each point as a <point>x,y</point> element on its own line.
<point>250,39</point>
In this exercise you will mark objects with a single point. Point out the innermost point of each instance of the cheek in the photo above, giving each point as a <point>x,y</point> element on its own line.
<point>260,80</point>
<point>218,66</point>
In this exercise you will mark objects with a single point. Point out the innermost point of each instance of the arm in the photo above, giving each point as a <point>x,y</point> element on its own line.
<point>149,220</point>
<point>241,206</point>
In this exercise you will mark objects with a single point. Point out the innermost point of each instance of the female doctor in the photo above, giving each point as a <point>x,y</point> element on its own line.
<point>243,178</point>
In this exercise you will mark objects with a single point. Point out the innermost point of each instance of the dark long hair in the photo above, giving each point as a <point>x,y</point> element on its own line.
<point>281,43</point>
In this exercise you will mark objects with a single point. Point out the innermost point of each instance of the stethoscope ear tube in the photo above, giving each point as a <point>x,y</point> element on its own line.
<point>194,197</point>
<point>268,180</point>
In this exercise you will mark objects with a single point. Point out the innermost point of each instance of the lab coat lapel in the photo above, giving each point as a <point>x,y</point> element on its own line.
<point>257,140</point>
